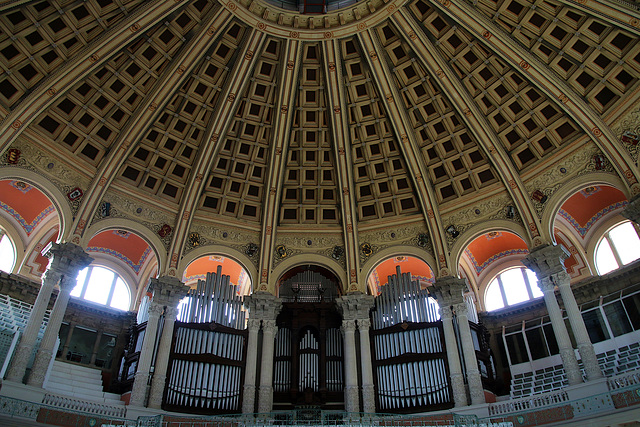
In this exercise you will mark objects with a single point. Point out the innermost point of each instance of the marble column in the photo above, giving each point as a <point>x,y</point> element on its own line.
<point>166,292</point>
<point>141,379</point>
<point>476,390</point>
<point>453,357</point>
<point>353,307</point>
<point>351,398</point>
<point>548,264</point>
<point>632,210</point>
<point>265,392</point>
<point>249,389</point>
<point>368,390</point>
<point>585,348</point>
<point>262,307</point>
<point>65,259</point>
<point>45,351</point>
<point>162,360</point>
<point>449,292</point>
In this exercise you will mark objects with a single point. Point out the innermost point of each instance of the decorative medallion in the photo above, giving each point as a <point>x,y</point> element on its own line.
<point>13,155</point>
<point>164,230</point>
<point>75,194</point>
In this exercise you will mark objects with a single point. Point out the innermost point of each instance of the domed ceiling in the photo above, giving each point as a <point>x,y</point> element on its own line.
<point>274,133</point>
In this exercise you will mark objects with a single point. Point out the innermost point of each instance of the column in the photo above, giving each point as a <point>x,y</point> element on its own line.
<point>449,292</point>
<point>585,348</point>
<point>476,390</point>
<point>45,351</point>
<point>162,359</point>
<point>67,341</point>
<point>453,358</point>
<point>141,379</point>
<point>354,307</point>
<point>547,262</point>
<point>166,295</point>
<point>96,345</point>
<point>351,398</point>
<point>265,392</point>
<point>249,389</point>
<point>368,391</point>
<point>263,307</point>
<point>65,259</point>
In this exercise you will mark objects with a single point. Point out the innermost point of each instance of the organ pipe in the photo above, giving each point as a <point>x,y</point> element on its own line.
<point>407,347</point>
<point>209,349</point>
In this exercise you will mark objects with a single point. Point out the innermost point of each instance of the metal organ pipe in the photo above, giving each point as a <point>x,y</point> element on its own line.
<point>414,325</point>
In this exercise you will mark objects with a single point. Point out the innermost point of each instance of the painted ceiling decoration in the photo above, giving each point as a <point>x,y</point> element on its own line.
<point>27,205</point>
<point>241,125</point>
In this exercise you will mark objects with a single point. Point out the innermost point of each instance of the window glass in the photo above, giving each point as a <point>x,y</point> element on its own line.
<point>626,241</point>
<point>102,286</point>
<point>493,297</point>
<point>619,246</point>
<point>595,326</point>
<point>512,286</point>
<point>7,254</point>
<point>617,318</point>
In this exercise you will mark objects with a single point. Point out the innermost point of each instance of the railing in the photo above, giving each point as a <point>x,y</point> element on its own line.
<point>84,406</point>
<point>623,381</point>
<point>525,403</point>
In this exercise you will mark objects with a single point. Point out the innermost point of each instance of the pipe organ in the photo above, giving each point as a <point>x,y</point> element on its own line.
<point>206,368</point>
<point>308,360</point>
<point>408,351</point>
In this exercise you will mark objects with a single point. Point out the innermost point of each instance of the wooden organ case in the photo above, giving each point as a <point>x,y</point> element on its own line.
<point>410,366</point>
<point>208,353</point>
<point>308,363</point>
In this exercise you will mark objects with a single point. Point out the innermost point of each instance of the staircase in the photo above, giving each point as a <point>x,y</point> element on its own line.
<point>69,383</point>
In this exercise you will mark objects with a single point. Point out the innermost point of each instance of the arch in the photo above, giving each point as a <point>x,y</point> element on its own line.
<point>16,240</point>
<point>134,227</point>
<point>477,230</point>
<point>377,258</point>
<point>234,254</point>
<point>65,216</point>
<point>305,259</point>
<point>569,188</point>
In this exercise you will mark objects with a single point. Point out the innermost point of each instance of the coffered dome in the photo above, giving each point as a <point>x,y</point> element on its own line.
<point>258,131</point>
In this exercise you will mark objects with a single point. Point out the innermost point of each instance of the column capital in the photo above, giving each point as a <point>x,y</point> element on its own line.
<point>546,284</point>
<point>355,306</point>
<point>546,260</point>
<point>66,259</point>
<point>632,210</point>
<point>449,290</point>
<point>167,291</point>
<point>348,325</point>
<point>155,310</point>
<point>263,305</point>
<point>269,327</point>
<point>67,283</point>
<point>445,312</point>
<point>253,324</point>
<point>364,324</point>
<point>461,309</point>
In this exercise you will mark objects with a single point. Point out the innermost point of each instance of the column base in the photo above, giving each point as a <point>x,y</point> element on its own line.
<point>249,399</point>
<point>140,387</point>
<point>19,364</point>
<point>157,390</point>
<point>570,364</point>
<point>40,368</point>
<point>590,361</point>
<point>459,390</point>
<point>351,399</point>
<point>368,399</point>
<point>476,391</point>
<point>265,399</point>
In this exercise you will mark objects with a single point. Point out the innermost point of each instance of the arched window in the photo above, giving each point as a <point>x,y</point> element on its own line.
<point>7,253</point>
<point>619,246</point>
<point>102,286</point>
<point>511,287</point>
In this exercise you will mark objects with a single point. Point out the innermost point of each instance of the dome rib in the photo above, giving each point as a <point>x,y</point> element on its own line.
<point>338,119</point>
<point>557,90</point>
<point>88,60</point>
<point>403,129</point>
<point>171,79</point>
<point>473,117</point>
<point>215,135</point>
<point>283,111</point>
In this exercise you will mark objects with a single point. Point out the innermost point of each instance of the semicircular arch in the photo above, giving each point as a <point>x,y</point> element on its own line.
<point>57,198</point>
<point>306,259</point>
<point>379,257</point>
<point>242,259</point>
